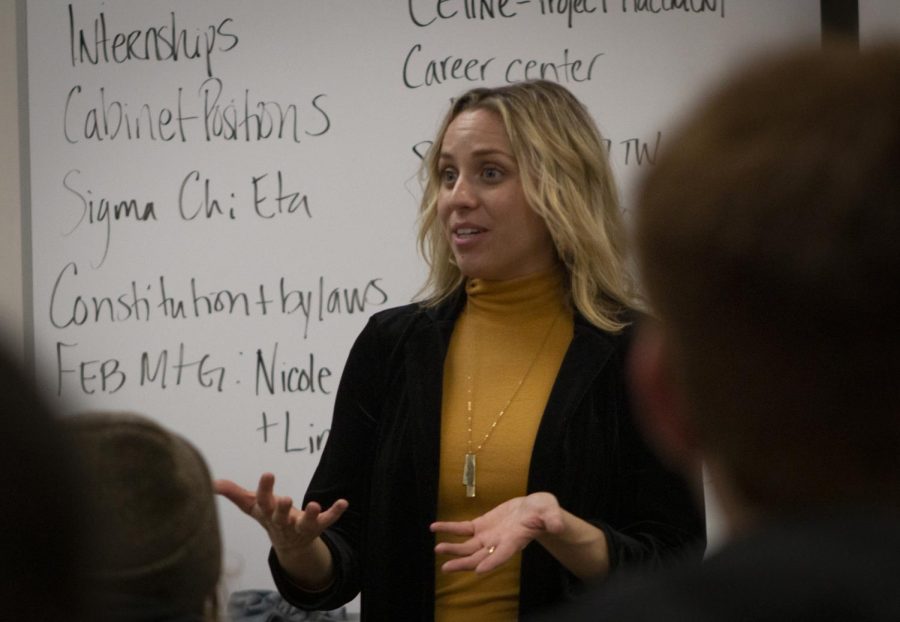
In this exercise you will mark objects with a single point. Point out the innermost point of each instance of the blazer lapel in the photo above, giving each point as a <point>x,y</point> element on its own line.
<point>426,350</point>
<point>586,357</point>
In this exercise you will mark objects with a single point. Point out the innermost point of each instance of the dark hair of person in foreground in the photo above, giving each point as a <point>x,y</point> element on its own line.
<point>768,243</point>
<point>44,543</point>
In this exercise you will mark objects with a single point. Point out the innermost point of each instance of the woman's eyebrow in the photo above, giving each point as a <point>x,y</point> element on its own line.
<point>486,151</point>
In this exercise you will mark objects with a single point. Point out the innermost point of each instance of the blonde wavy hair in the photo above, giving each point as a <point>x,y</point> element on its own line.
<point>566,179</point>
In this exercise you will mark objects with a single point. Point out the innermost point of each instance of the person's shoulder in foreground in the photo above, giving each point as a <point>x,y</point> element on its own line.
<point>844,568</point>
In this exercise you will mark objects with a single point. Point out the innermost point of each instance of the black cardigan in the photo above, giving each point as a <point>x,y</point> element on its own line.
<point>383,452</point>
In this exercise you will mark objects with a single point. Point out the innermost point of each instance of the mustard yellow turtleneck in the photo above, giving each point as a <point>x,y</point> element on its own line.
<point>508,330</point>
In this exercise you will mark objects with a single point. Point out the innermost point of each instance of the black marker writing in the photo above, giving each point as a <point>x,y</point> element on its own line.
<point>78,310</point>
<point>290,378</point>
<point>437,71</point>
<point>194,201</point>
<point>666,6</point>
<point>285,202</point>
<point>639,152</point>
<point>421,10</point>
<point>105,119</point>
<point>186,297</point>
<point>164,42</point>
<point>561,71</point>
<point>294,441</point>
<point>214,115</point>
<point>570,8</point>
<point>256,119</point>
<point>93,375</point>
<point>105,211</point>
<point>202,370</point>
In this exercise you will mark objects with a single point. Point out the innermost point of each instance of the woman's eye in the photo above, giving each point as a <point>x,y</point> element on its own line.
<point>492,174</point>
<point>448,176</point>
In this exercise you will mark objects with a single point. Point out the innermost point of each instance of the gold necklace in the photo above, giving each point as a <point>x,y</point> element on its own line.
<point>469,465</point>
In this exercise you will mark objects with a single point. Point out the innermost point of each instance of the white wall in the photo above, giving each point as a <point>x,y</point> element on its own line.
<point>11,307</point>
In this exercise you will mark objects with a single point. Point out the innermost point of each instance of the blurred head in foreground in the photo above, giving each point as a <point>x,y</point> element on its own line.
<point>161,557</point>
<point>43,521</point>
<point>768,243</point>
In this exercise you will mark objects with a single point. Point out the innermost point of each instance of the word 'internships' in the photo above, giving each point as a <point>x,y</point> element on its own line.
<point>167,41</point>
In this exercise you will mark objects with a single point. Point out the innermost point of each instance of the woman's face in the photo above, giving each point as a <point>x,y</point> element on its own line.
<point>493,233</point>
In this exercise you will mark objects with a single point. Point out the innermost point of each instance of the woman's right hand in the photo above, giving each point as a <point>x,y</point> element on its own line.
<point>294,533</point>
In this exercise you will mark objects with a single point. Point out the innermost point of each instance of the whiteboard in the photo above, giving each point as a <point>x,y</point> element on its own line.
<point>211,226</point>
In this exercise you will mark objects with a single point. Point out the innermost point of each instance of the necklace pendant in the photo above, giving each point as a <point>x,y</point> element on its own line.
<point>469,475</point>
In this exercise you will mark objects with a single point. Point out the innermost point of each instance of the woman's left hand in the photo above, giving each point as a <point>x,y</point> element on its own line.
<point>501,533</point>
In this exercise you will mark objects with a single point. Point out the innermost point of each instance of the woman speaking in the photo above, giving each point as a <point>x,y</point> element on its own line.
<point>482,461</point>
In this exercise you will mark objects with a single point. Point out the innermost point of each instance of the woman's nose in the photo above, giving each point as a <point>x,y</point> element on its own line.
<point>463,194</point>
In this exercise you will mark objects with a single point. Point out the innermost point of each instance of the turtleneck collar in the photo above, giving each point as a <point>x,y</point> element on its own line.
<point>540,292</point>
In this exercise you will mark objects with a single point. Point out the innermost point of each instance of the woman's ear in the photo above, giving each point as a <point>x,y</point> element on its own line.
<point>659,397</point>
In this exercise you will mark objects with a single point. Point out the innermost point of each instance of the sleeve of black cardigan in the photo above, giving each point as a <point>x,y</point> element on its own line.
<point>660,517</point>
<point>342,473</point>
